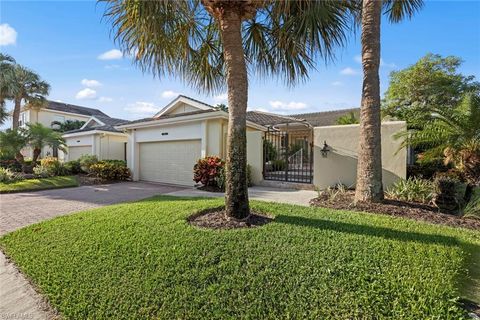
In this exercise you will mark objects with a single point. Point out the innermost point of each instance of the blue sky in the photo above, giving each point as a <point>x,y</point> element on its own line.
<point>64,41</point>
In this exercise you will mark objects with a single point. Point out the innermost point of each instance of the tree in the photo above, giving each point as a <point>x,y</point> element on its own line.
<point>433,82</point>
<point>12,141</point>
<point>222,106</point>
<point>26,87</point>
<point>369,168</point>
<point>452,135</point>
<point>349,118</point>
<point>68,125</point>
<point>211,43</point>
<point>6,75</point>
<point>39,136</point>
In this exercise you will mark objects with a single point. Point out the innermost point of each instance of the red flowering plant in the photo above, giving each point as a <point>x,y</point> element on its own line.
<point>207,169</point>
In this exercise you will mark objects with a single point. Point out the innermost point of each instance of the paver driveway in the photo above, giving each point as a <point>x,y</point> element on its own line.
<point>22,209</point>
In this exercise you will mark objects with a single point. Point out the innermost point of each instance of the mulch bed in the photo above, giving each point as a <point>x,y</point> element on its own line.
<point>412,210</point>
<point>217,219</point>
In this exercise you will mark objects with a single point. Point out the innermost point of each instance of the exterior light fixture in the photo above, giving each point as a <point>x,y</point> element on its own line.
<point>325,149</point>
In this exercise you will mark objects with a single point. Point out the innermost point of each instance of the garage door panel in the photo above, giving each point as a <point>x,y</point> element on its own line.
<point>169,161</point>
<point>76,152</point>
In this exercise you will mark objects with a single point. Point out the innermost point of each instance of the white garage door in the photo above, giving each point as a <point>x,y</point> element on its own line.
<point>76,152</point>
<point>169,161</point>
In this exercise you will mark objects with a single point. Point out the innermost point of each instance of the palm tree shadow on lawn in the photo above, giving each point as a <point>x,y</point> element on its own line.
<point>469,284</point>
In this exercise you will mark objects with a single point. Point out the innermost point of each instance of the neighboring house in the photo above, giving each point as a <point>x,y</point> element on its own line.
<point>58,111</point>
<point>97,137</point>
<point>305,150</point>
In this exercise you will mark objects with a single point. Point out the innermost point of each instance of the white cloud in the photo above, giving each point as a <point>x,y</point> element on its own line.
<point>113,54</point>
<point>221,97</point>
<point>105,99</point>
<point>349,72</point>
<point>170,94</point>
<point>292,105</point>
<point>260,109</point>
<point>8,35</point>
<point>337,83</point>
<point>141,108</point>
<point>112,66</point>
<point>86,94</point>
<point>91,83</point>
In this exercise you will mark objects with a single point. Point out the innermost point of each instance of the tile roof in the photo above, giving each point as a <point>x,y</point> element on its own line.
<point>65,107</point>
<point>109,124</point>
<point>169,116</point>
<point>266,118</point>
<point>325,118</point>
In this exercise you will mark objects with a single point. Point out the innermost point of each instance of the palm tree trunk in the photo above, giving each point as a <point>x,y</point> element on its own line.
<point>369,170</point>
<point>16,113</point>
<point>236,191</point>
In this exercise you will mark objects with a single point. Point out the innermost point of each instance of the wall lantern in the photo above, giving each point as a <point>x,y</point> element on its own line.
<point>325,149</point>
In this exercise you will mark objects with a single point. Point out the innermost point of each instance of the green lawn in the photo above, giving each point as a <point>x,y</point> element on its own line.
<point>38,184</point>
<point>143,261</point>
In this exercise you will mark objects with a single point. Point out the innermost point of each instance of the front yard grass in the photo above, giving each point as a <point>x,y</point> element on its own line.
<point>38,184</point>
<point>144,261</point>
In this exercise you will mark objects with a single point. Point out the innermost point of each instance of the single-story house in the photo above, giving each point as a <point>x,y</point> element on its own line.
<point>99,137</point>
<point>302,150</point>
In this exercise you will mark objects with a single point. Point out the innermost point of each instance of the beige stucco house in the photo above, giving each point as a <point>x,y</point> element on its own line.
<point>304,150</point>
<point>97,136</point>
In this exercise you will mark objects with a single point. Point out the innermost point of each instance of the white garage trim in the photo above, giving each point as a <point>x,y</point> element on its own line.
<point>169,161</point>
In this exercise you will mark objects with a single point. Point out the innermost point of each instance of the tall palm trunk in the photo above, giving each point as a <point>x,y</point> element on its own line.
<point>369,171</point>
<point>16,112</point>
<point>236,193</point>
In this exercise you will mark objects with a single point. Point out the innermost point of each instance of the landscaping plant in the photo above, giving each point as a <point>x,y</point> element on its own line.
<point>73,166</point>
<point>7,175</point>
<point>412,189</point>
<point>207,169</point>
<point>86,161</point>
<point>110,170</point>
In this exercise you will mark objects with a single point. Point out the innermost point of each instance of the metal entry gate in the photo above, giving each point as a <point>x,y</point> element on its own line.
<point>288,156</point>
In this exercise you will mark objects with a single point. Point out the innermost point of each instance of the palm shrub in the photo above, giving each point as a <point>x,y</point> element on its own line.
<point>453,136</point>
<point>412,189</point>
<point>40,136</point>
<point>12,141</point>
<point>7,175</point>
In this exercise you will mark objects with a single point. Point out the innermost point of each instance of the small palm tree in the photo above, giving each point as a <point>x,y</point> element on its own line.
<point>349,118</point>
<point>12,141</point>
<point>26,86</point>
<point>369,168</point>
<point>212,43</point>
<point>39,136</point>
<point>453,135</point>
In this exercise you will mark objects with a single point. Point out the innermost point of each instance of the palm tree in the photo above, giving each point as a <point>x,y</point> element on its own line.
<point>7,64</point>
<point>40,136</point>
<point>211,44</point>
<point>12,141</point>
<point>349,118</point>
<point>452,135</point>
<point>369,168</point>
<point>67,125</point>
<point>26,87</point>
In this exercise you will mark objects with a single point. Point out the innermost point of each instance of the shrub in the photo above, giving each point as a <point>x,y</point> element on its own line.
<point>42,171</point>
<point>279,165</point>
<point>412,189</point>
<point>11,164</point>
<point>207,169</point>
<point>116,162</point>
<point>110,170</point>
<point>86,161</point>
<point>445,196</point>
<point>55,167</point>
<point>7,175</point>
<point>73,167</point>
